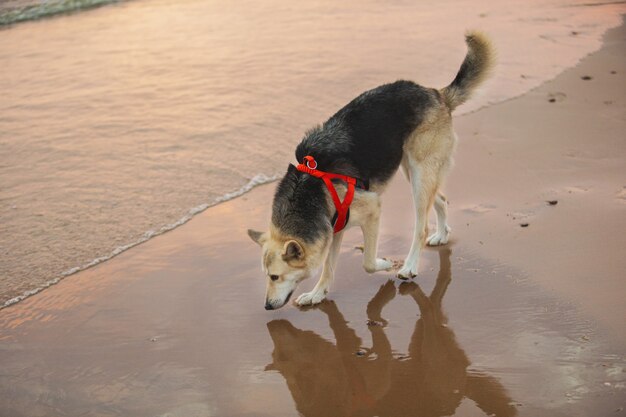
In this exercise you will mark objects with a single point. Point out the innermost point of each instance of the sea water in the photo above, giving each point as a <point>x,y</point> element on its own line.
<point>120,123</point>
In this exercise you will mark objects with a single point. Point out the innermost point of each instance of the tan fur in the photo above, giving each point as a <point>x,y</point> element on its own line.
<point>289,270</point>
<point>427,159</point>
<point>482,57</point>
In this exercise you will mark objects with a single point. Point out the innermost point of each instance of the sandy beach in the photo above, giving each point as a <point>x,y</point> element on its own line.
<point>505,320</point>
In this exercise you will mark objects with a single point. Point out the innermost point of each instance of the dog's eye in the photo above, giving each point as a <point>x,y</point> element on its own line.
<point>273,277</point>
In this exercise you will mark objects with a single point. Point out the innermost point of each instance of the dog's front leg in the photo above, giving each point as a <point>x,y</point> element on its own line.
<point>369,226</point>
<point>328,274</point>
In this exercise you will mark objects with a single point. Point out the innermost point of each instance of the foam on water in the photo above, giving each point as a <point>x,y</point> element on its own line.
<point>45,8</point>
<point>257,180</point>
<point>116,121</point>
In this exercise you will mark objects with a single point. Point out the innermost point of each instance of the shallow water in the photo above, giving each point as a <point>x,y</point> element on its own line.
<point>119,123</point>
<point>177,327</point>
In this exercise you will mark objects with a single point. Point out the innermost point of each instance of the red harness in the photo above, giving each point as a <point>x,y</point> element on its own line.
<point>309,166</point>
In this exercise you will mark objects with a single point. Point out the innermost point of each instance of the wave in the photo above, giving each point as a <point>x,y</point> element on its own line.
<point>255,181</point>
<point>49,8</point>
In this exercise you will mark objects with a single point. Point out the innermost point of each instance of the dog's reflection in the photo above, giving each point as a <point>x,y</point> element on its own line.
<point>343,379</point>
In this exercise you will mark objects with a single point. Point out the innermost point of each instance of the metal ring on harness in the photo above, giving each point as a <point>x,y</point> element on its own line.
<point>310,160</point>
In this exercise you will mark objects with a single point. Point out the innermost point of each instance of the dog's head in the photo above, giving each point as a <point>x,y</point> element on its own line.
<point>286,262</point>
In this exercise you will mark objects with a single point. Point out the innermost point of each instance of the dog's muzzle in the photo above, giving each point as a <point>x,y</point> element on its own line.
<point>270,306</point>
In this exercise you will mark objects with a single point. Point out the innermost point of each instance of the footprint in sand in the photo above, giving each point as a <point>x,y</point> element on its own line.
<point>556,97</point>
<point>576,189</point>
<point>479,208</point>
<point>521,216</point>
<point>575,154</point>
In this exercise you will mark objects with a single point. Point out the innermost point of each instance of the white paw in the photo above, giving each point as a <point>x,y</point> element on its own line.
<point>407,272</point>
<point>439,238</point>
<point>310,298</point>
<point>381,264</point>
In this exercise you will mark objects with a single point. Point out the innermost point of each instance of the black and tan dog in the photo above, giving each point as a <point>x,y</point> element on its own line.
<point>398,124</point>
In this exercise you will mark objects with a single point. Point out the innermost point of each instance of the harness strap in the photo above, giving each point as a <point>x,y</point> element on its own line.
<point>309,166</point>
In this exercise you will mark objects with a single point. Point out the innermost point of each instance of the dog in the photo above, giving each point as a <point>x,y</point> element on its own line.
<point>400,124</point>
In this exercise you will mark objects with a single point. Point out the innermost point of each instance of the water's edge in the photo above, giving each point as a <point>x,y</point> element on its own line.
<point>257,180</point>
<point>260,179</point>
<point>48,9</point>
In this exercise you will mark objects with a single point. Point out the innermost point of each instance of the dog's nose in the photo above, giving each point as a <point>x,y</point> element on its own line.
<point>268,306</point>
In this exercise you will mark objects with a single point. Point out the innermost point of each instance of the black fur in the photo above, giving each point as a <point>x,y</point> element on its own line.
<point>364,139</point>
<point>300,208</point>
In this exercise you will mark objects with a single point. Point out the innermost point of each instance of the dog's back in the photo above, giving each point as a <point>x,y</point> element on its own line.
<point>365,138</point>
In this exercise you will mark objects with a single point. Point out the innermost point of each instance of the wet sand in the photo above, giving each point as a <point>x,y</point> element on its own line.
<point>505,320</point>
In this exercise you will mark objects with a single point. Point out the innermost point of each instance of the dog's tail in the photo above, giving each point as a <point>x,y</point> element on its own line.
<point>476,67</point>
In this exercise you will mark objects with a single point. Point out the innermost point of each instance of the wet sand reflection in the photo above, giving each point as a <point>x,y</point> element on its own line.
<point>342,379</point>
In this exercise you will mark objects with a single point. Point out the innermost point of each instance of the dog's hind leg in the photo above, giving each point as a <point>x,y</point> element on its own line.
<point>443,230</point>
<point>424,183</point>
<point>404,165</point>
<point>326,278</point>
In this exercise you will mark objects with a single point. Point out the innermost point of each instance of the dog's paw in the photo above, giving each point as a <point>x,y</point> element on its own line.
<point>439,238</point>
<point>310,298</point>
<point>381,264</point>
<point>407,272</point>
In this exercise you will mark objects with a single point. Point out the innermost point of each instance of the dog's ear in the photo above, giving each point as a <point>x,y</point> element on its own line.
<point>292,251</point>
<point>258,237</point>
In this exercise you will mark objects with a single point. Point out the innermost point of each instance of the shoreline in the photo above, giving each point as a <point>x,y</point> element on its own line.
<point>47,240</point>
<point>16,298</point>
<point>503,320</point>
<point>17,11</point>
<point>256,181</point>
